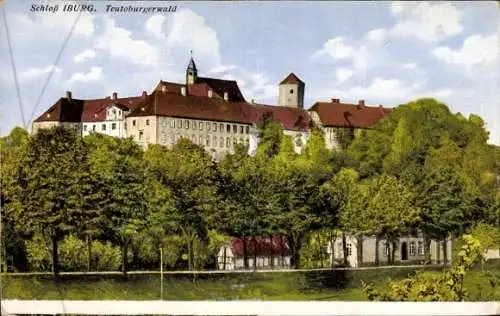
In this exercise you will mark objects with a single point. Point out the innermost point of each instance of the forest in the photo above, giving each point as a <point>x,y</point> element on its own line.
<point>99,203</point>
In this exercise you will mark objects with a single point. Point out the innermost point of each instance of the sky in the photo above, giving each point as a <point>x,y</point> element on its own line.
<point>383,52</point>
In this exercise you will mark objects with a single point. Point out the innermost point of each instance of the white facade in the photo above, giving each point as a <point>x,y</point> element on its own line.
<point>233,262</point>
<point>408,249</point>
<point>113,125</point>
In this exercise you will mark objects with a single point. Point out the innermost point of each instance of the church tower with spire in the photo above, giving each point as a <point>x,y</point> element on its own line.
<point>191,71</point>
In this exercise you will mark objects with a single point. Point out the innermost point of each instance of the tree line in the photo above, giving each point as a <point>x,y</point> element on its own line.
<point>107,199</point>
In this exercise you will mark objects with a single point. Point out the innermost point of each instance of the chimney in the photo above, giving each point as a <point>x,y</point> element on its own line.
<point>144,94</point>
<point>183,91</point>
<point>226,96</point>
<point>253,101</point>
<point>164,88</point>
<point>335,100</point>
<point>361,103</point>
<point>210,93</point>
<point>68,95</point>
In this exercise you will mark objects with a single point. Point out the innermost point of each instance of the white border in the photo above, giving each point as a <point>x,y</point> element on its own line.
<point>269,308</point>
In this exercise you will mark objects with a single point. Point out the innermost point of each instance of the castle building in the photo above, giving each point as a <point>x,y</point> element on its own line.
<point>210,112</point>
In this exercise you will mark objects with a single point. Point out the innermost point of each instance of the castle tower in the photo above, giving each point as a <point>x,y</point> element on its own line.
<point>191,71</point>
<point>291,92</point>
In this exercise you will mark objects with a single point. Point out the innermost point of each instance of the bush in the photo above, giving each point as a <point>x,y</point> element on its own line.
<point>73,255</point>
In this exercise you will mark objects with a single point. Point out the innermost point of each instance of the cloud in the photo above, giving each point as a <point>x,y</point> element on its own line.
<point>377,35</point>
<point>397,7</point>
<point>426,21</point>
<point>154,26</point>
<point>118,42</point>
<point>343,74</point>
<point>477,50</point>
<point>85,55</point>
<point>33,73</point>
<point>410,66</point>
<point>381,89</point>
<point>58,22</point>
<point>338,49</point>
<point>221,69</point>
<point>94,75</point>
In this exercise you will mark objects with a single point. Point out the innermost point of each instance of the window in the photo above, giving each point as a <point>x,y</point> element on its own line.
<point>172,123</point>
<point>103,127</point>
<point>412,248</point>
<point>201,126</point>
<point>208,126</point>
<point>207,142</point>
<point>214,125</point>
<point>247,129</point>
<point>140,135</point>
<point>133,123</point>
<point>228,142</point>
<point>84,127</point>
<point>186,124</point>
<point>387,249</point>
<point>241,129</point>
<point>147,122</point>
<point>221,127</point>
<point>119,112</point>
<point>228,128</point>
<point>234,140</point>
<point>214,141</point>
<point>193,138</point>
<point>235,129</point>
<point>420,248</point>
<point>221,142</point>
<point>124,125</point>
<point>93,127</point>
<point>193,124</point>
<point>114,112</point>
<point>291,91</point>
<point>113,126</point>
<point>179,123</point>
<point>349,249</point>
<point>200,140</point>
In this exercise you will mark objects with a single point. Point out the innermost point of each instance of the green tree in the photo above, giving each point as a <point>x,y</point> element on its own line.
<point>12,244</point>
<point>445,204</point>
<point>383,208</point>
<point>190,175</point>
<point>119,168</point>
<point>50,187</point>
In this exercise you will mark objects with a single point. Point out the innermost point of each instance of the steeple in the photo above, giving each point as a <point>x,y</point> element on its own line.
<point>191,71</point>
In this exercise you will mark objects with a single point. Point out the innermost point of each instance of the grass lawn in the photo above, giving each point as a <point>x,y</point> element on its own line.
<point>318,285</point>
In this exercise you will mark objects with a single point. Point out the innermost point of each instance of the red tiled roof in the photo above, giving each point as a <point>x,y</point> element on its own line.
<point>217,109</point>
<point>220,86</point>
<point>202,85</point>
<point>190,106</point>
<point>348,115</point>
<point>261,246</point>
<point>76,110</point>
<point>63,110</point>
<point>291,78</point>
<point>290,118</point>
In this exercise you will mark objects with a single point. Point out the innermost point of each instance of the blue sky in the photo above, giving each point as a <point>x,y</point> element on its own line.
<point>383,52</point>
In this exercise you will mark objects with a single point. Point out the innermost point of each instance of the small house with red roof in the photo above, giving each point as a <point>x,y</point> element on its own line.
<point>271,252</point>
